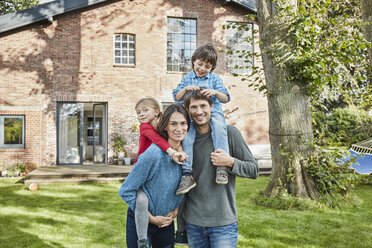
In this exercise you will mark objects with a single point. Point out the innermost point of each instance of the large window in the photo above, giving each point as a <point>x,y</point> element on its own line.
<point>124,49</point>
<point>12,131</point>
<point>181,43</point>
<point>239,40</point>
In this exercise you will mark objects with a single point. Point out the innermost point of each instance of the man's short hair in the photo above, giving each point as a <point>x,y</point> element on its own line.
<point>197,95</point>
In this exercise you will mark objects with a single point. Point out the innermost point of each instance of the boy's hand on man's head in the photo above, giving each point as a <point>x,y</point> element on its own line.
<point>191,87</point>
<point>209,92</point>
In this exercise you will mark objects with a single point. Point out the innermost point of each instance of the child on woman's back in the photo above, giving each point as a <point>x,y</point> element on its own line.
<point>148,114</point>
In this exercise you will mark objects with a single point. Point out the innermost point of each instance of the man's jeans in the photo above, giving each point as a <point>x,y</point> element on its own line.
<point>214,237</point>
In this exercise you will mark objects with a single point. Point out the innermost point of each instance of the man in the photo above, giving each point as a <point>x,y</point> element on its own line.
<point>210,208</point>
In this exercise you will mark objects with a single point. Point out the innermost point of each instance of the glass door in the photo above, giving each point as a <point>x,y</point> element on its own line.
<point>70,136</point>
<point>99,133</point>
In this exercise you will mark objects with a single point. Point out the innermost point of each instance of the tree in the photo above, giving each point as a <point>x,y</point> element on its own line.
<point>309,47</point>
<point>8,6</point>
<point>367,17</point>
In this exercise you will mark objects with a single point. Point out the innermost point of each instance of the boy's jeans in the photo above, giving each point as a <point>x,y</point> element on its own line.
<point>214,237</point>
<point>219,137</point>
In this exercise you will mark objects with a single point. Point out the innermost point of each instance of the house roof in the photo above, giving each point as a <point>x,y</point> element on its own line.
<point>249,4</point>
<point>41,12</point>
<point>51,8</point>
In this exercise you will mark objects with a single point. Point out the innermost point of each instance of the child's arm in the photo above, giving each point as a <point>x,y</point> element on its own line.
<point>222,93</point>
<point>149,132</point>
<point>182,88</point>
<point>180,94</point>
<point>223,97</point>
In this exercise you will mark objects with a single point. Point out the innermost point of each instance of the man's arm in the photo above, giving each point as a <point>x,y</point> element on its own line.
<point>241,161</point>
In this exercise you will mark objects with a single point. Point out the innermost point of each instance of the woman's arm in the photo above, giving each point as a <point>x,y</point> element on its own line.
<point>136,178</point>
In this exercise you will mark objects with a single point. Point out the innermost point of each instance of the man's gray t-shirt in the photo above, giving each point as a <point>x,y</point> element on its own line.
<point>211,204</point>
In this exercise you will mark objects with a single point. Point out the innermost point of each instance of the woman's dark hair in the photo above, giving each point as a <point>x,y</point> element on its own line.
<point>197,95</point>
<point>206,53</point>
<point>175,107</point>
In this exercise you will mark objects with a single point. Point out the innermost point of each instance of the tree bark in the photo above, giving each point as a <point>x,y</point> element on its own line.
<point>290,124</point>
<point>367,17</point>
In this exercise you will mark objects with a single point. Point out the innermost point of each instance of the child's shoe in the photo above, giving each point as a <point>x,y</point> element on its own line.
<point>222,176</point>
<point>186,183</point>
<point>143,243</point>
<point>181,239</point>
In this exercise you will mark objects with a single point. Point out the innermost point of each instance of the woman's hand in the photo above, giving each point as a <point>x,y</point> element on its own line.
<point>160,221</point>
<point>173,214</point>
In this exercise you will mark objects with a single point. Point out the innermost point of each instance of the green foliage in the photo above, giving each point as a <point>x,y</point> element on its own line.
<point>341,127</point>
<point>8,6</point>
<point>332,176</point>
<point>328,53</point>
<point>325,50</point>
<point>119,145</point>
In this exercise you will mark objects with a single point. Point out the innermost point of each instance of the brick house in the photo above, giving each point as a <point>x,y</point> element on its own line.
<point>71,72</point>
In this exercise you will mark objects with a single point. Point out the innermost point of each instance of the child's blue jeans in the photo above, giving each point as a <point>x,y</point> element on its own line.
<point>219,137</point>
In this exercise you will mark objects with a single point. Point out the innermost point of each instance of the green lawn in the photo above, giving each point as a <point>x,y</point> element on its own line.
<point>93,215</point>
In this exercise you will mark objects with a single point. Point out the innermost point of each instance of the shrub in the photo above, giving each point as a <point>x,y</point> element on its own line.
<point>342,127</point>
<point>332,175</point>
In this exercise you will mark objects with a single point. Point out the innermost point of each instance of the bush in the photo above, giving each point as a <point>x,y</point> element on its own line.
<point>331,174</point>
<point>342,127</point>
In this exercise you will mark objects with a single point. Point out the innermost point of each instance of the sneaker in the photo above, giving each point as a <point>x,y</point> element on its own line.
<point>181,239</point>
<point>143,243</point>
<point>222,176</point>
<point>186,183</point>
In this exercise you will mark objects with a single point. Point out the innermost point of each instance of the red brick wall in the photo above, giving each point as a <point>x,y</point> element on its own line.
<point>32,153</point>
<point>72,59</point>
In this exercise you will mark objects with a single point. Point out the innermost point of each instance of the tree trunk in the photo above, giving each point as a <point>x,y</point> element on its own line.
<point>290,124</point>
<point>367,17</point>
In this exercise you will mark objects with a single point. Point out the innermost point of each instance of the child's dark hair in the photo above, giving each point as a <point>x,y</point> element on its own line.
<point>175,107</point>
<point>196,94</point>
<point>206,53</point>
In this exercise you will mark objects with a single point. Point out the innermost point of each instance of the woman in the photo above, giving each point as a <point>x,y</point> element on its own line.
<point>159,176</point>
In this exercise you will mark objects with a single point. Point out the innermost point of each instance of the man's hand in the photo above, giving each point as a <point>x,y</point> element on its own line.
<point>220,158</point>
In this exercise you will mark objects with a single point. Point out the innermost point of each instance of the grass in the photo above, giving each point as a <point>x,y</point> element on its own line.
<point>93,215</point>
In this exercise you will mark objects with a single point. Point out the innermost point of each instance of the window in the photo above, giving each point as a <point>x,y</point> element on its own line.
<point>181,43</point>
<point>96,136</point>
<point>165,105</point>
<point>238,41</point>
<point>12,131</point>
<point>124,49</point>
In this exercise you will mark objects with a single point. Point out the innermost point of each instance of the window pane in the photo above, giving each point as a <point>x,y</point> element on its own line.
<point>127,45</point>
<point>237,42</point>
<point>13,131</point>
<point>181,43</point>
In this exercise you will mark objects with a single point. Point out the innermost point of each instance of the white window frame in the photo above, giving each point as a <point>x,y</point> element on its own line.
<point>11,146</point>
<point>181,43</point>
<point>124,49</point>
<point>233,34</point>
